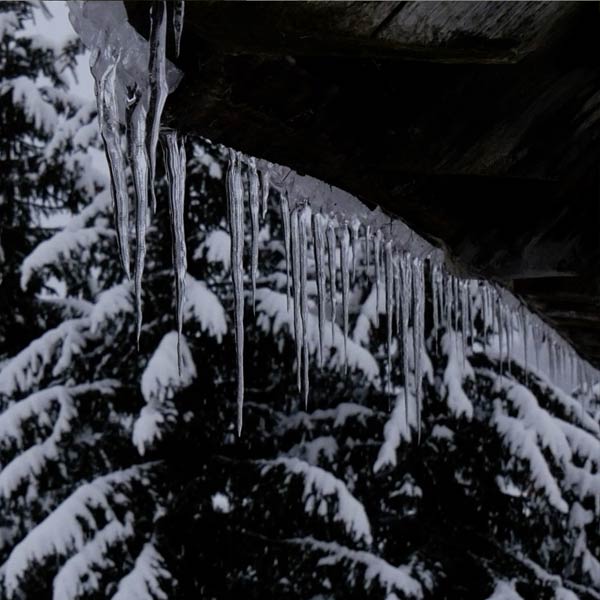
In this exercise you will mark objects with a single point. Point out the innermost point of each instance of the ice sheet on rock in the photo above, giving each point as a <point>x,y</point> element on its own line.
<point>103,27</point>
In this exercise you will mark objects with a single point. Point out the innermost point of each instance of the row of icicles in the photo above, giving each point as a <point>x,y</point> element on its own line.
<point>399,277</point>
<point>400,285</point>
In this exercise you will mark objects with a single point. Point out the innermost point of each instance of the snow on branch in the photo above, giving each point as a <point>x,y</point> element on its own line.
<point>111,302</point>
<point>146,579</point>
<point>377,572</point>
<point>66,529</point>
<point>81,574</point>
<point>535,418</point>
<point>320,487</point>
<point>204,307</point>
<point>521,442</point>
<point>161,380</point>
<point>27,369</point>
<point>343,412</point>
<point>37,109</point>
<point>396,430</point>
<point>273,316</point>
<point>457,369</point>
<point>30,464</point>
<point>63,246</point>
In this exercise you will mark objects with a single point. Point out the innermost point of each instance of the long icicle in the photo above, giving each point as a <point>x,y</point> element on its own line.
<point>434,304</point>
<point>108,119</point>
<point>354,240</point>
<point>178,12</point>
<point>397,294</point>
<point>377,244</point>
<point>367,249</point>
<point>345,270</point>
<point>406,304</point>
<point>319,246</point>
<point>175,163</point>
<point>285,219</point>
<point>303,221</point>
<point>136,134</point>
<point>235,200</point>
<point>298,329</point>
<point>159,89</point>
<point>331,252</point>
<point>253,194</point>
<point>418,306</point>
<point>265,183</point>
<point>389,306</point>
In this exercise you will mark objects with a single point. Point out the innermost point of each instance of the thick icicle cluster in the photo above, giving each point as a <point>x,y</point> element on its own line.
<point>133,79</point>
<point>318,223</point>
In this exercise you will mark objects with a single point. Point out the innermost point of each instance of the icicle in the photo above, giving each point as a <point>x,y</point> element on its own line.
<point>434,303</point>
<point>253,193</point>
<point>389,306</point>
<point>355,241</point>
<point>108,119</point>
<point>331,251</point>
<point>175,167</point>
<point>377,244</point>
<point>296,259</point>
<point>500,328</point>
<point>344,252</point>
<point>235,202</point>
<point>483,295</point>
<point>397,293</point>
<point>418,318</point>
<point>463,319</point>
<point>525,330</point>
<point>303,220</point>
<point>265,182</point>
<point>456,297</point>
<point>159,88</point>
<point>471,311</point>
<point>178,12</point>
<point>136,118</point>
<point>449,301</point>
<point>367,248</point>
<point>319,239</point>
<point>509,337</point>
<point>285,218</point>
<point>406,272</point>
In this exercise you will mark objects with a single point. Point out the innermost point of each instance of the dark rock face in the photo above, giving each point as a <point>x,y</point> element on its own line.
<point>477,123</point>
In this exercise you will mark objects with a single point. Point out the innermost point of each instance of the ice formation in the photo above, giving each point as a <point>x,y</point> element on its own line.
<point>133,78</point>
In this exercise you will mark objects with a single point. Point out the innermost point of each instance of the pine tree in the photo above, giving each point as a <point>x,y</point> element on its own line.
<point>47,166</point>
<point>122,475</point>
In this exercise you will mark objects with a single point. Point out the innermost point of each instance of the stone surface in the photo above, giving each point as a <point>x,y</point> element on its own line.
<point>476,123</point>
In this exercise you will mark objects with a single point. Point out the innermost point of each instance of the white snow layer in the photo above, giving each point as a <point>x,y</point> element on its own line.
<point>320,486</point>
